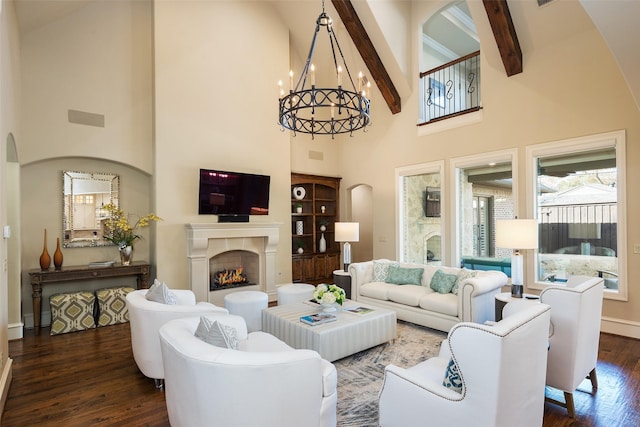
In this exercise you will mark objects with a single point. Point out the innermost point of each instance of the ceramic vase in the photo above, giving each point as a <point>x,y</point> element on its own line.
<point>126,255</point>
<point>45,259</point>
<point>299,227</point>
<point>328,308</point>
<point>300,250</point>
<point>323,244</point>
<point>57,256</point>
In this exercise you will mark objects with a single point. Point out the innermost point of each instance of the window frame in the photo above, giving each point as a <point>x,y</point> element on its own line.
<point>616,140</point>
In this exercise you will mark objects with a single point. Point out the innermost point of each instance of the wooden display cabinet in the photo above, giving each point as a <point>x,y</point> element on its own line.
<point>314,203</point>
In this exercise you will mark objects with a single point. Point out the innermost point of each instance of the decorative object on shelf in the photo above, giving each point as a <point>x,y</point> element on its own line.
<point>45,258</point>
<point>322,246</point>
<point>324,110</point>
<point>299,193</point>
<point>119,230</point>
<point>126,254</point>
<point>323,209</point>
<point>57,256</point>
<point>299,208</point>
<point>328,296</point>
<point>299,228</point>
<point>517,234</point>
<point>300,250</point>
<point>347,232</point>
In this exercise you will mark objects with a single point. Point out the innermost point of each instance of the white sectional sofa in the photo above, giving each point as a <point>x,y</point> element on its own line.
<point>418,302</point>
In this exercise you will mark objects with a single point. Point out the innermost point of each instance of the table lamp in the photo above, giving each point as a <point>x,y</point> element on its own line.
<point>347,232</point>
<point>517,234</point>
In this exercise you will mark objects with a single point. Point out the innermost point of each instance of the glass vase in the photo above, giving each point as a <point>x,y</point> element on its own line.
<point>126,255</point>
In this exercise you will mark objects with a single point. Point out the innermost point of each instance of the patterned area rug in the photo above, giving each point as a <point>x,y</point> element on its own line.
<point>360,376</point>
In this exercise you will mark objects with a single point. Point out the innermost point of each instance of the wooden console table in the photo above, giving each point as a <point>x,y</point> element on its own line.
<point>40,278</point>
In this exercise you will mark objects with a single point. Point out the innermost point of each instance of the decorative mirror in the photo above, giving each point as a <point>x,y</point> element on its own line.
<point>84,196</point>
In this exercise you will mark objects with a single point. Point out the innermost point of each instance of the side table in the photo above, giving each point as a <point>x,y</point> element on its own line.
<point>503,298</point>
<point>343,279</point>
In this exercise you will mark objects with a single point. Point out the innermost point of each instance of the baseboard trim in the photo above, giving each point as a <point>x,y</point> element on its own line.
<point>45,319</point>
<point>626,328</point>
<point>5,382</point>
<point>15,331</point>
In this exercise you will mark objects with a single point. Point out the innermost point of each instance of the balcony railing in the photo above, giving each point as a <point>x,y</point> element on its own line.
<point>450,89</point>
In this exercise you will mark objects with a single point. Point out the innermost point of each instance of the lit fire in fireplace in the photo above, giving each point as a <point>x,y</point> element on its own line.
<point>233,276</point>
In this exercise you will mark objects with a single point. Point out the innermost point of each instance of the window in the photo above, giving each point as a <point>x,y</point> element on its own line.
<point>420,212</point>
<point>577,192</point>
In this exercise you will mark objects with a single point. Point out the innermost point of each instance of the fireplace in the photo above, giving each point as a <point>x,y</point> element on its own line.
<point>248,245</point>
<point>233,269</point>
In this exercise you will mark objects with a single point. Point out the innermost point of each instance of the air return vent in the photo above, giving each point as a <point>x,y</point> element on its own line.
<point>543,2</point>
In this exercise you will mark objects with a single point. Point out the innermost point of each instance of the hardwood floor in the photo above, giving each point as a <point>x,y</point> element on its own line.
<point>89,378</point>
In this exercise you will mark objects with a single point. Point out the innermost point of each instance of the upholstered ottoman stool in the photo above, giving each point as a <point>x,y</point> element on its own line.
<point>72,312</point>
<point>112,305</point>
<point>249,305</point>
<point>295,292</point>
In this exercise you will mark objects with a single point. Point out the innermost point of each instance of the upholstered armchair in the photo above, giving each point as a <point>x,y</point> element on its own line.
<point>576,311</point>
<point>145,319</point>
<point>262,383</point>
<point>501,372</point>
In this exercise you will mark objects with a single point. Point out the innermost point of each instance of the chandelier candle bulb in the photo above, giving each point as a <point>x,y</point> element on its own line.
<point>360,81</point>
<point>313,75</point>
<point>291,80</point>
<point>339,75</point>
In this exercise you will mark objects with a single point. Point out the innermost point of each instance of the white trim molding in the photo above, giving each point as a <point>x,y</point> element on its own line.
<point>626,328</point>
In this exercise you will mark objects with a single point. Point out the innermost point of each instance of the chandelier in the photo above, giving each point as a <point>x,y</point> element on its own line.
<point>324,111</point>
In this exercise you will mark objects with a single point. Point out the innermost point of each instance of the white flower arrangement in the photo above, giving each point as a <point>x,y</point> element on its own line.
<point>329,294</point>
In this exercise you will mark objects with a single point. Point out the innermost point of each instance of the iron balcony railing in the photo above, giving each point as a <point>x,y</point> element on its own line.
<point>450,89</point>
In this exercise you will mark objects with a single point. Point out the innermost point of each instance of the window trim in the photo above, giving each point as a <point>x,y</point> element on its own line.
<point>615,139</point>
<point>435,167</point>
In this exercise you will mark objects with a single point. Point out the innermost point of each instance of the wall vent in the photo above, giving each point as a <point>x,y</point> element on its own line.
<point>84,118</point>
<point>543,2</point>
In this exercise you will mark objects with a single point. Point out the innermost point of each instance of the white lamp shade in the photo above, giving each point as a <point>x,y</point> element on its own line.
<point>517,233</point>
<point>347,231</point>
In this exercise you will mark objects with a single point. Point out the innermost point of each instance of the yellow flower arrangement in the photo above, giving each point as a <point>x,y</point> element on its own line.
<point>119,230</point>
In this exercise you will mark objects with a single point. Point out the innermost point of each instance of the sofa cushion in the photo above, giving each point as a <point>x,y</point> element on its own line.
<point>159,292</point>
<point>215,333</point>
<point>442,282</point>
<point>404,276</point>
<point>440,303</point>
<point>377,290</point>
<point>408,294</point>
<point>463,274</point>
<point>380,270</point>
<point>452,377</point>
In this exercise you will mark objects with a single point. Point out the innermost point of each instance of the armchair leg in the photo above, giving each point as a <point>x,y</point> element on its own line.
<point>568,403</point>
<point>594,379</point>
<point>159,383</point>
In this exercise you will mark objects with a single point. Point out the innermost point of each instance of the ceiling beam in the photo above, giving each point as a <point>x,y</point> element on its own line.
<point>368,53</point>
<point>505,35</point>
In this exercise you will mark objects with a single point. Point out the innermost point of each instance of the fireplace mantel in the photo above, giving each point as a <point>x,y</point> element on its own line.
<point>207,240</point>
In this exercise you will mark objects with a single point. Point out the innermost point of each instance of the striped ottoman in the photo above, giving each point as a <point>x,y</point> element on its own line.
<point>72,312</point>
<point>112,305</point>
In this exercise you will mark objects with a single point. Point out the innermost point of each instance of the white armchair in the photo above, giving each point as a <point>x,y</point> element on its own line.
<point>502,369</point>
<point>145,319</point>
<point>576,311</point>
<point>264,383</point>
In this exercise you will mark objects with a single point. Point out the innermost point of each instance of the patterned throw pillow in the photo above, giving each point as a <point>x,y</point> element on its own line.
<point>380,270</point>
<point>159,292</point>
<point>404,276</point>
<point>464,274</point>
<point>452,378</point>
<point>217,334</point>
<point>442,282</point>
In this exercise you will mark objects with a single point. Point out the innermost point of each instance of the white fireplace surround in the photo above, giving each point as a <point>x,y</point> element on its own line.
<point>205,241</point>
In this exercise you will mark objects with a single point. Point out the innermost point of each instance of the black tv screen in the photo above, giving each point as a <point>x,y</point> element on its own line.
<point>233,193</point>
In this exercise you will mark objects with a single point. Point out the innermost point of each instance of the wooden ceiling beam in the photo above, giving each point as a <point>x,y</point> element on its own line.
<point>368,53</point>
<point>505,35</point>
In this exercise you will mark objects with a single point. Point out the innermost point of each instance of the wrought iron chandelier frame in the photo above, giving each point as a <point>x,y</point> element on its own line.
<point>324,111</point>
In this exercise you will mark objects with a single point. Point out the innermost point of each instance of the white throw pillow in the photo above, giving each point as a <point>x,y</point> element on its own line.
<point>217,334</point>
<point>381,269</point>
<point>159,292</point>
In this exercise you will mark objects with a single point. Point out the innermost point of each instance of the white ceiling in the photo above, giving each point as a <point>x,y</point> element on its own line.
<point>615,19</point>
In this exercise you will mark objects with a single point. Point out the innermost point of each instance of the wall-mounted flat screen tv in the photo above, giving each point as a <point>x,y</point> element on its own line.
<point>233,193</point>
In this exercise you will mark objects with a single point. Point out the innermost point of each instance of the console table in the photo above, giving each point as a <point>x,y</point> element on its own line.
<point>41,278</point>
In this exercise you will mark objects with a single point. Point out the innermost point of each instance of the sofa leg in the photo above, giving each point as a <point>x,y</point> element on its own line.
<point>594,379</point>
<point>159,383</point>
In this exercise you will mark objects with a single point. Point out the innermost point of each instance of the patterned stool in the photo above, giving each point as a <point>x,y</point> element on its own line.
<point>72,312</point>
<point>112,305</point>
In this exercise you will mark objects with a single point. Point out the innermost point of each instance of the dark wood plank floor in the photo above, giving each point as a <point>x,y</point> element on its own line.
<point>89,378</point>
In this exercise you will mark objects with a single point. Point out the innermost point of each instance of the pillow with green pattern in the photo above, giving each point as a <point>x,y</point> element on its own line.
<point>452,377</point>
<point>404,276</point>
<point>380,270</point>
<point>442,282</point>
<point>463,274</point>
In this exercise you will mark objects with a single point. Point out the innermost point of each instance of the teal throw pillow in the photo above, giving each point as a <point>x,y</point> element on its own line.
<point>452,377</point>
<point>404,276</point>
<point>442,282</point>
<point>381,269</point>
<point>463,274</point>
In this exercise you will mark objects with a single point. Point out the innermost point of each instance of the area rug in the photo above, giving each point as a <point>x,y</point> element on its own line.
<point>360,375</point>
